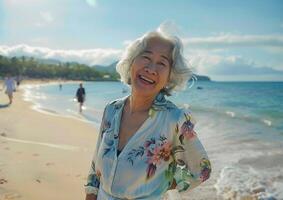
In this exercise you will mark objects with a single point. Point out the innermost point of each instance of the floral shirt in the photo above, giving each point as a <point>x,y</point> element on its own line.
<point>164,148</point>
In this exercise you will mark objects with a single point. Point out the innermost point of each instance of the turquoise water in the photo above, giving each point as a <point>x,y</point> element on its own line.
<point>239,123</point>
<point>257,102</point>
<point>260,102</point>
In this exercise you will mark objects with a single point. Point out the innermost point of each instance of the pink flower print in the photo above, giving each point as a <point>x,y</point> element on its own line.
<point>159,153</point>
<point>165,150</point>
<point>155,157</point>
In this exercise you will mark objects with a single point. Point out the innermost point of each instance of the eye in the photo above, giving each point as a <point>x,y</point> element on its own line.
<point>145,57</point>
<point>162,64</point>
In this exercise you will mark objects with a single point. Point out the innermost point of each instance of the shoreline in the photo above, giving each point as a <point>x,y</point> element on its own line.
<point>44,109</point>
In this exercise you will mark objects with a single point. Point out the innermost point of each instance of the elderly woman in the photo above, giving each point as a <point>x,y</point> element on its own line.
<point>147,145</point>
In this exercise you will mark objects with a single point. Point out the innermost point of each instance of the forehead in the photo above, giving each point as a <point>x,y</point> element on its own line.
<point>160,46</point>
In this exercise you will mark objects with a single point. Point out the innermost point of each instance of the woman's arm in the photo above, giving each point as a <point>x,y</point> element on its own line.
<point>193,165</point>
<point>93,179</point>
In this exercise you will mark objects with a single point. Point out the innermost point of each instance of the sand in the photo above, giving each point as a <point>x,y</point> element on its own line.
<point>42,156</point>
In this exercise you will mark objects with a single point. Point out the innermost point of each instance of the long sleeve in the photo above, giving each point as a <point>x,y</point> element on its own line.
<point>93,179</point>
<point>193,166</point>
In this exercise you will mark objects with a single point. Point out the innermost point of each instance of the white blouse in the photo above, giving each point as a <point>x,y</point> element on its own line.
<point>164,148</point>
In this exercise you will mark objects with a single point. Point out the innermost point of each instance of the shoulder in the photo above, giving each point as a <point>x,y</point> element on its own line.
<point>115,104</point>
<point>180,113</point>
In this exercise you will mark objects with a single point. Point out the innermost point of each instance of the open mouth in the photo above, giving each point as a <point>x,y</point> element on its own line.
<point>147,80</point>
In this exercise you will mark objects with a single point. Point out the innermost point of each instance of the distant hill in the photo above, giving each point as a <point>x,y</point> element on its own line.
<point>106,68</point>
<point>202,78</point>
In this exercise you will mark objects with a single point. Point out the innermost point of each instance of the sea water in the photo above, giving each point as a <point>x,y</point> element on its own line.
<point>239,123</point>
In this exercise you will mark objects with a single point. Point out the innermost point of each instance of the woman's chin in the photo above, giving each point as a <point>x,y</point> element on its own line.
<point>145,91</point>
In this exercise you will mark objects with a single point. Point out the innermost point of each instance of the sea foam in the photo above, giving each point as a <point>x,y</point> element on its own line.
<point>240,182</point>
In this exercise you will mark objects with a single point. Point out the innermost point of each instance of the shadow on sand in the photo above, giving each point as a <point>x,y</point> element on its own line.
<point>4,105</point>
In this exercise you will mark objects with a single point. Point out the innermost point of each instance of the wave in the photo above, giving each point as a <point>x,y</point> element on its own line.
<point>267,122</point>
<point>230,113</point>
<point>235,115</point>
<point>244,182</point>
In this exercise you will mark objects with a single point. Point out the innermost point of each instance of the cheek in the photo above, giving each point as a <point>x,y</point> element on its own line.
<point>136,65</point>
<point>166,75</point>
<point>165,78</point>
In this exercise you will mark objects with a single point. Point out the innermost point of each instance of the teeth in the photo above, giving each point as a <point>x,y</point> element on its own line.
<point>147,79</point>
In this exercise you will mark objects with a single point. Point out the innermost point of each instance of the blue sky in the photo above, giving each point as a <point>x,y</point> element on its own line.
<point>225,39</point>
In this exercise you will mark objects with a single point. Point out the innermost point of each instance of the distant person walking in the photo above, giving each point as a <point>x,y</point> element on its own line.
<point>80,94</point>
<point>9,85</point>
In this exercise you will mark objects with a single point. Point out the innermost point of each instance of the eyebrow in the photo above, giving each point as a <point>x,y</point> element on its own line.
<point>147,51</point>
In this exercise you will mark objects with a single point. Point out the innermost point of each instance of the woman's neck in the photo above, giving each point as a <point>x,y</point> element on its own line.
<point>139,103</point>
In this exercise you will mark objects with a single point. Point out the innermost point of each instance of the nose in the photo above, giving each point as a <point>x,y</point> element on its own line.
<point>151,68</point>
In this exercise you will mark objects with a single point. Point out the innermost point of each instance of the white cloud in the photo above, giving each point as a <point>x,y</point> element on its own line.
<point>272,43</point>
<point>230,65</point>
<point>88,56</point>
<point>230,41</point>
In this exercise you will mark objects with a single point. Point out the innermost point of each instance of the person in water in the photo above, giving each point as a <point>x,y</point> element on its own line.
<point>80,94</point>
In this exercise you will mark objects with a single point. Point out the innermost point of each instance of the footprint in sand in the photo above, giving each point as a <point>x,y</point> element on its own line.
<point>37,180</point>
<point>49,164</point>
<point>3,181</point>
<point>78,175</point>
<point>3,134</point>
<point>7,148</point>
<point>35,154</point>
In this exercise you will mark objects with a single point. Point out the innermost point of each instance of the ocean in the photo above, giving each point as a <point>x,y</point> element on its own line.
<point>239,123</point>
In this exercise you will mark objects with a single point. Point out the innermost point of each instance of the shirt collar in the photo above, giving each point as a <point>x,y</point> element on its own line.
<point>160,103</point>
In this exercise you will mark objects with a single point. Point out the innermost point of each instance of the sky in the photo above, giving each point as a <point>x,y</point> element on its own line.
<point>226,40</point>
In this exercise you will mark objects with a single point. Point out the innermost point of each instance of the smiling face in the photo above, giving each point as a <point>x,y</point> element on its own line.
<point>150,70</point>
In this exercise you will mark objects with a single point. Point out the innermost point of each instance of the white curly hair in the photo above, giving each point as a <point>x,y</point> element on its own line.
<point>180,72</point>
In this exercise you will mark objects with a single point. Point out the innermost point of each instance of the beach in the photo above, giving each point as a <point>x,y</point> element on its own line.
<point>46,147</point>
<point>42,156</point>
<point>46,156</point>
